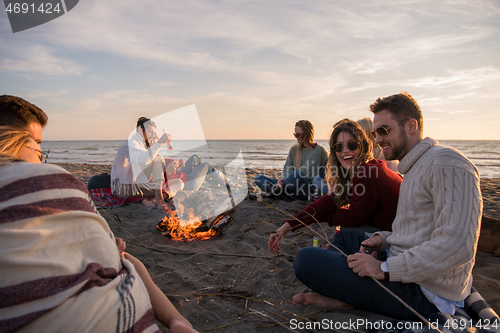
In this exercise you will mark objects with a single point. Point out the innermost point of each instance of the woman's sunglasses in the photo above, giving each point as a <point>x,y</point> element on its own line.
<point>382,131</point>
<point>339,146</point>
<point>41,154</point>
<point>297,135</point>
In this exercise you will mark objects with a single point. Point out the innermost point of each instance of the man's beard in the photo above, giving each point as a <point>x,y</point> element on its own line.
<point>398,152</point>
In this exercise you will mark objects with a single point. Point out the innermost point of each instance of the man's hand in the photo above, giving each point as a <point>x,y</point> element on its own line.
<point>375,243</point>
<point>164,138</point>
<point>365,265</point>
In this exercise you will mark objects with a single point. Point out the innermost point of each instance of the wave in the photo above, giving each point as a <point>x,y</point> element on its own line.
<point>256,152</point>
<point>487,165</point>
<point>281,154</point>
<point>267,158</point>
<point>484,158</point>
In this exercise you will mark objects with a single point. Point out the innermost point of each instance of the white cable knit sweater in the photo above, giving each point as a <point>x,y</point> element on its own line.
<point>437,223</point>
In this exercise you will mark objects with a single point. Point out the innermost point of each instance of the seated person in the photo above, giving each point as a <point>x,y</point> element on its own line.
<point>62,268</point>
<point>364,195</point>
<point>138,161</point>
<point>367,125</point>
<point>303,169</point>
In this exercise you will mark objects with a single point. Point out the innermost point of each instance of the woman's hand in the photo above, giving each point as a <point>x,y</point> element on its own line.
<point>178,164</point>
<point>120,244</point>
<point>275,237</point>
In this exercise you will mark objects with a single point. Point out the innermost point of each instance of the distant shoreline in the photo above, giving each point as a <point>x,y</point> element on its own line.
<point>439,140</point>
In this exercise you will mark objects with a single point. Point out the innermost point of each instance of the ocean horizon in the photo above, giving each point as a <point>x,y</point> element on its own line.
<point>485,154</point>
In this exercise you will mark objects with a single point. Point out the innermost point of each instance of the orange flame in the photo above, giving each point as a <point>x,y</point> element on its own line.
<point>186,232</point>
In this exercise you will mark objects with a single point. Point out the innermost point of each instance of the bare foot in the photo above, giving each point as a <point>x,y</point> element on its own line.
<point>321,301</point>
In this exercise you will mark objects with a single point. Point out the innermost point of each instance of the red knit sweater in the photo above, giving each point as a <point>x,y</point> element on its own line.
<point>374,200</point>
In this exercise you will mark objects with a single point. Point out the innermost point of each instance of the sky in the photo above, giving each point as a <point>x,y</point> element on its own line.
<point>253,68</point>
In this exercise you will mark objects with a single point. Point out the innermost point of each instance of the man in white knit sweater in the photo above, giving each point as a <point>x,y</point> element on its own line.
<point>427,259</point>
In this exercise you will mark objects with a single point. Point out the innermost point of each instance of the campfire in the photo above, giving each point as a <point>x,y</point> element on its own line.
<point>194,223</point>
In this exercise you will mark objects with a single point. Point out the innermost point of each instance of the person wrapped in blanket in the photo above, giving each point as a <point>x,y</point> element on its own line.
<point>61,268</point>
<point>139,170</point>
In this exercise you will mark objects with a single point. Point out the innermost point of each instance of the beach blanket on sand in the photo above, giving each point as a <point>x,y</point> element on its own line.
<point>103,198</point>
<point>60,270</point>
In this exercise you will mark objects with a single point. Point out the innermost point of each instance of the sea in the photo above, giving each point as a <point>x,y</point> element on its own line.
<point>256,153</point>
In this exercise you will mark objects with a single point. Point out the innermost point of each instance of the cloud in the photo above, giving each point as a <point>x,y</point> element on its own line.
<point>273,60</point>
<point>477,78</point>
<point>459,111</point>
<point>47,94</point>
<point>38,59</point>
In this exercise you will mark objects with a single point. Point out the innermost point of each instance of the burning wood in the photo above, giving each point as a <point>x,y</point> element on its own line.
<point>185,223</point>
<point>220,223</point>
<point>171,226</point>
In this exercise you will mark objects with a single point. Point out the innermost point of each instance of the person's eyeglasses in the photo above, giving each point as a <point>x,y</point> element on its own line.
<point>382,131</point>
<point>339,146</point>
<point>297,135</point>
<point>41,154</point>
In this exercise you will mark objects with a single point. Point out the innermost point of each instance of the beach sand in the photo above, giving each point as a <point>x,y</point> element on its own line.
<point>217,284</point>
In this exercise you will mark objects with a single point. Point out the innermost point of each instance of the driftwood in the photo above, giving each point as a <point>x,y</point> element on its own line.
<point>489,240</point>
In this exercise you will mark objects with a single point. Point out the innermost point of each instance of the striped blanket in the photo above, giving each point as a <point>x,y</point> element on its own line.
<point>60,270</point>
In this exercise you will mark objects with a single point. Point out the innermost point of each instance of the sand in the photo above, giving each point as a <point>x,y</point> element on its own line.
<point>218,283</point>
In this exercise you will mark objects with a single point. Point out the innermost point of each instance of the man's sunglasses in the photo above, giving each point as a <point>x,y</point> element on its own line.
<point>339,146</point>
<point>41,154</point>
<point>382,131</point>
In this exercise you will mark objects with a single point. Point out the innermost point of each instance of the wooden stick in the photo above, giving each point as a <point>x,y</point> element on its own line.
<point>273,320</point>
<point>249,273</point>
<point>278,315</point>
<point>230,295</point>
<point>295,315</point>
<point>227,325</point>
<point>319,223</point>
<point>279,291</point>
<point>260,322</point>
<point>293,240</point>
<point>306,319</point>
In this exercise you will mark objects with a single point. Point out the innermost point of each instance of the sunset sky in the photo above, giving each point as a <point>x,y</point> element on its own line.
<point>253,68</point>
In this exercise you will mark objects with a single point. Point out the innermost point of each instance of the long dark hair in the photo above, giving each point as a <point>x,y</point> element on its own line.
<point>337,175</point>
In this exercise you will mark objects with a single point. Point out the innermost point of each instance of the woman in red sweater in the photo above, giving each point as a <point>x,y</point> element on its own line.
<point>363,191</point>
